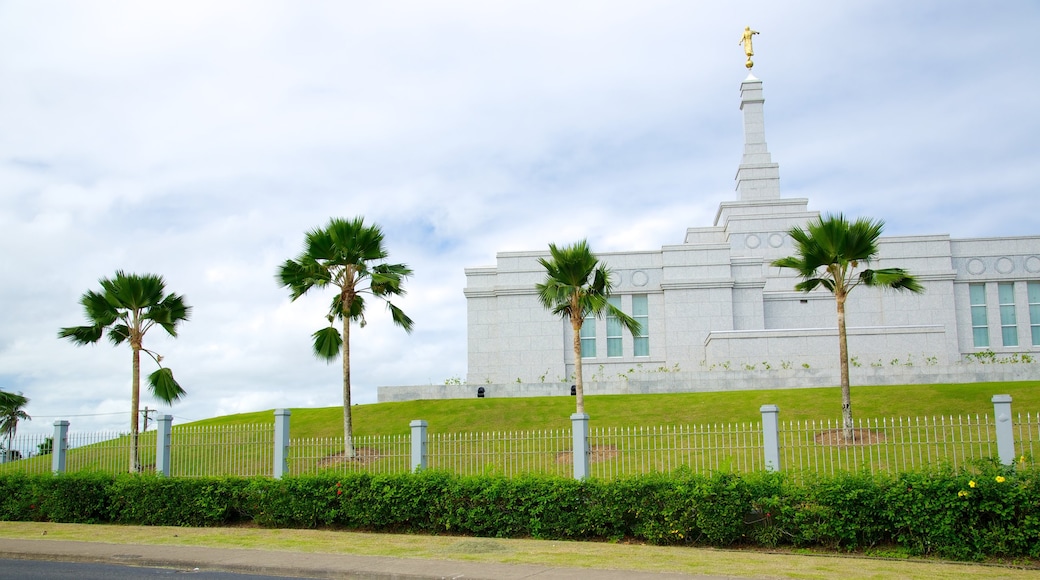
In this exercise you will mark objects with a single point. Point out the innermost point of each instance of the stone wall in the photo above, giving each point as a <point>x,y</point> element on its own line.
<point>920,372</point>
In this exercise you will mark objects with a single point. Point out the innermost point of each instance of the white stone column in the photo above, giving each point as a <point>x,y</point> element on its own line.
<point>419,442</point>
<point>1005,433</point>
<point>163,437</point>
<point>580,431</point>
<point>59,446</point>
<point>771,436</point>
<point>281,442</point>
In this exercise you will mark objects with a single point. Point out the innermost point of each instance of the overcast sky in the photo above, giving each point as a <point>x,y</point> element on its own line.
<point>201,140</point>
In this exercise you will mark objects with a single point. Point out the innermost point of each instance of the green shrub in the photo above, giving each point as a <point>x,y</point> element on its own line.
<point>81,498</point>
<point>159,501</point>
<point>986,511</point>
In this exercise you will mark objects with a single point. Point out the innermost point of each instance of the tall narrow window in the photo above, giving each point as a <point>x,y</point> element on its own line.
<point>641,312</point>
<point>1033,289</point>
<point>1008,322</point>
<point>979,325</point>
<point>588,337</point>
<point>613,329</point>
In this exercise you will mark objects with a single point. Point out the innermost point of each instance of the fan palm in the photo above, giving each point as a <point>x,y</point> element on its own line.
<point>128,306</point>
<point>11,411</point>
<point>348,255</point>
<point>830,251</point>
<point>578,284</point>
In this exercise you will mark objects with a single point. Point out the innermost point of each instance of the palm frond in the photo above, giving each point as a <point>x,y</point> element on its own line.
<point>829,250</point>
<point>896,278</point>
<point>574,279</point>
<point>169,313</point>
<point>300,276</point>
<point>400,318</point>
<point>82,334</point>
<point>630,324</point>
<point>118,334</point>
<point>98,309</point>
<point>327,343</point>
<point>133,291</point>
<point>164,387</point>
<point>12,399</point>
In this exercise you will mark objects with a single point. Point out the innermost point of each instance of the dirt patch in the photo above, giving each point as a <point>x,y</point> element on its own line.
<point>364,456</point>
<point>598,453</point>
<point>836,437</point>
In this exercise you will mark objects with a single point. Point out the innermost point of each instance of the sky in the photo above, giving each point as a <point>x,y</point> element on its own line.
<point>202,140</point>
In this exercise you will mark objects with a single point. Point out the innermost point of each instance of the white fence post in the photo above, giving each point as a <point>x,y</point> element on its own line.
<point>580,431</point>
<point>281,442</point>
<point>1005,433</point>
<point>163,436</point>
<point>59,446</point>
<point>419,442</point>
<point>771,436</point>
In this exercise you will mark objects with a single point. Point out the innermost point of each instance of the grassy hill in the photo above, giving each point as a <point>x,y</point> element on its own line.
<point>521,414</point>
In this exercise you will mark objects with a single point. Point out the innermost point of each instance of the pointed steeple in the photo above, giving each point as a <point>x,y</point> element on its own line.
<point>758,178</point>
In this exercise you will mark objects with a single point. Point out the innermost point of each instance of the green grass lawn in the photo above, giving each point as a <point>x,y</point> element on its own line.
<point>522,414</point>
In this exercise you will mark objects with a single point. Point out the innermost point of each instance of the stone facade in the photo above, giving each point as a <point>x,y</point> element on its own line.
<point>720,317</point>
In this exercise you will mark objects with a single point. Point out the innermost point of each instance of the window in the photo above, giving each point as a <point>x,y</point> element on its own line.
<point>979,326</point>
<point>613,329</point>
<point>588,337</point>
<point>641,312</point>
<point>1008,324</point>
<point>1033,290</point>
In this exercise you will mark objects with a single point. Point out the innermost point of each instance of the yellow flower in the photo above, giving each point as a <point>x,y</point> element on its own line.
<point>962,493</point>
<point>1000,479</point>
<point>971,483</point>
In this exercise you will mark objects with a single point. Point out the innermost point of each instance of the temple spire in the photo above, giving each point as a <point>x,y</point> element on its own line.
<point>758,178</point>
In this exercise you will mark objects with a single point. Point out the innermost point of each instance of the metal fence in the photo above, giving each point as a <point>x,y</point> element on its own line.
<point>888,444</point>
<point>214,451</point>
<point>502,453</point>
<point>382,454</point>
<point>97,451</point>
<point>616,452</point>
<point>1027,436</point>
<point>880,445</point>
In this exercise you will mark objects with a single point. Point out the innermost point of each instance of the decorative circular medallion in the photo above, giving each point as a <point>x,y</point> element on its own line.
<point>1033,264</point>
<point>976,266</point>
<point>639,278</point>
<point>752,241</point>
<point>776,240</point>
<point>1005,265</point>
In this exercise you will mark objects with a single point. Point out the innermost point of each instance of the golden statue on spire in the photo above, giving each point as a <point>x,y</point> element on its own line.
<point>746,41</point>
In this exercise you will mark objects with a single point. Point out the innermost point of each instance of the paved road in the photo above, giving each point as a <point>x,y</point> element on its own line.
<point>55,570</point>
<point>304,565</point>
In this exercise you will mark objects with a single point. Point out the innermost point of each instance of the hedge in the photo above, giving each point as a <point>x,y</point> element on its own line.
<point>990,511</point>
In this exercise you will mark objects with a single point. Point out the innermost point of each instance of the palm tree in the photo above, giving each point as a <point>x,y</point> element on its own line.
<point>829,252</point>
<point>128,306</point>
<point>350,256</point>
<point>11,411</point>
<point>578,284</point>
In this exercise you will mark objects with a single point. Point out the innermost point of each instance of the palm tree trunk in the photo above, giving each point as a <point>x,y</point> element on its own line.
<point>579,392</point>
<point>135,404</point>
<point>348,421</point>
<point>843,354</point>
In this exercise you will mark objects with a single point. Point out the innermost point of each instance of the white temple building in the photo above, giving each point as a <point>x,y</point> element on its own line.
<point>716,315</point>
